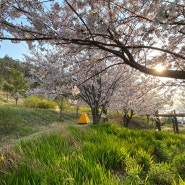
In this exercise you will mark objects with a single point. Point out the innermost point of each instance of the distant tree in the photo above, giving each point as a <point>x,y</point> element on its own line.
<point>142,96</point>
<point>179,99</point>
<point>96,80</point>
<point>8,62</point>
<point>97,93</point>
<point>50,76</point>
<point>7,88</point>
<point>103,84</point>
<point>57,78</point>
<point>15,83</point>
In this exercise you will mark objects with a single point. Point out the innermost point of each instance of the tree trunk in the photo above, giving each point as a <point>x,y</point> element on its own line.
<point>16,101</point>
<point>95,115</point>
<point>7,97</point>
<point>175,124</point>
<point>61,107</point>
<point>147,119</point>
<point>104,111</point>
<point>127,118</point>
<point>61,114</point>
<point>77,111</point>
<point>158,124</point>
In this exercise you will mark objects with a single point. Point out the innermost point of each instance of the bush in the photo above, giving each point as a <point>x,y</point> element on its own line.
<point>37,102</point>
<point>133,171</point>
<point>144,160</point>
<point>179,165</point>
<point>160,174</point>
<point>161,153</point>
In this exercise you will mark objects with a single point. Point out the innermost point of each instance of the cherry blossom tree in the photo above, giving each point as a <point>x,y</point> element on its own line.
<point>50,76</point>
<point>179,99</point>
<point>102,83</point>
<point>142,96</point>
<point>91,75</point>
<point>97,91</point>
<point>141,33</point>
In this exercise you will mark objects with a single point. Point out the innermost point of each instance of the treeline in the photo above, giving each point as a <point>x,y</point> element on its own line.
<point>13,76</point>
<point>8,62</point>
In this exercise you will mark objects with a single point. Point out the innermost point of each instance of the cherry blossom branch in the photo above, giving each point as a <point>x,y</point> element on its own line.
<point>80,18</point>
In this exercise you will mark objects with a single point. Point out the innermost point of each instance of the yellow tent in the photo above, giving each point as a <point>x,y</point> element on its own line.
<point>84,119</point>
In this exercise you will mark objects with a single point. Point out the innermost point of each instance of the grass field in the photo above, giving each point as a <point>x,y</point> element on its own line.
<point>39,148</point>
<point>17,122</point>
<point>95,154</point>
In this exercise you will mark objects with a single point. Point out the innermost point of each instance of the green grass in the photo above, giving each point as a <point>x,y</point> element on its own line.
<point>46,150</point>
<point>102,154</point>
<point>17,121</point>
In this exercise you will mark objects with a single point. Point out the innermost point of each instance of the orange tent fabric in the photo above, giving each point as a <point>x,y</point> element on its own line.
<point>84,119</point>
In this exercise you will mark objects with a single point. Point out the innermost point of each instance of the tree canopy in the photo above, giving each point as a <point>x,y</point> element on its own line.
<point>8,62</point>
<point>15,82</point>
<point>138,33</point>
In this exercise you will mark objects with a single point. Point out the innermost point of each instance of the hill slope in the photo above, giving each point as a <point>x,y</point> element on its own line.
<point>96,154</point>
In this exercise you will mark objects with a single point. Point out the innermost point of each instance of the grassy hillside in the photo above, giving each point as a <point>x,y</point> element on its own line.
<point>102,154</point>
<point>18,122</point>
<point>37,147</point>
<point>22,121</point>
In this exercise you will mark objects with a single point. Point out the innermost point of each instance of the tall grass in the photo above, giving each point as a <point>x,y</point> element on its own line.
<point>102,154</point>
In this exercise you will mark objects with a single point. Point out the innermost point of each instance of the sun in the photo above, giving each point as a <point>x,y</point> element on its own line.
<point>159,68</point>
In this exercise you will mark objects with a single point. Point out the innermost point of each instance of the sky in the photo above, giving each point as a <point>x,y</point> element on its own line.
<point>14,51</point>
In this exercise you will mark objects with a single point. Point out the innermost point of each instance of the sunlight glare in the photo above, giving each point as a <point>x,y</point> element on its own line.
<point>159,68</point>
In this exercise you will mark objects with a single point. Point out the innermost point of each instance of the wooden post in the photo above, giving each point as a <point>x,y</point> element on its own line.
<point>175,124</point>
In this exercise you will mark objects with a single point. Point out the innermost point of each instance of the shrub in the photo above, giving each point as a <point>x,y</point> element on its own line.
<point>133,171</point>
<point>160,174</point>
<point>180,181</point>
<point>86,172</point>
<point>37,102</point>
<point>179,165</point>
<point>161,153</point>
<point>110,157</point>
<point>144,160</point>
